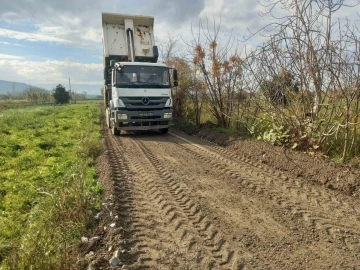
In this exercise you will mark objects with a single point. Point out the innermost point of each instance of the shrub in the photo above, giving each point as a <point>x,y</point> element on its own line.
<point>60,94</point>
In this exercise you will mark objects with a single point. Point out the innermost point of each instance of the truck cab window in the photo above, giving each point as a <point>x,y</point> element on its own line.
<point>123,78</point>
<point>143,76</point>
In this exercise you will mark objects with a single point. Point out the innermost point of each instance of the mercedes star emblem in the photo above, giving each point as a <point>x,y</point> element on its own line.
<point>145,101</point>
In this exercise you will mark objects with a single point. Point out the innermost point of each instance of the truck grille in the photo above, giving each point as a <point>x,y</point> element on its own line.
<point>136,103</point>
<point>145,117</point>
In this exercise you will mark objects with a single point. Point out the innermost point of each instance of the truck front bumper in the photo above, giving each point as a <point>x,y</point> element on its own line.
<point>141,120</point>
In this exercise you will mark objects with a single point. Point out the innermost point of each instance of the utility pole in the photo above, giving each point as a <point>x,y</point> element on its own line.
<point>71,94</point>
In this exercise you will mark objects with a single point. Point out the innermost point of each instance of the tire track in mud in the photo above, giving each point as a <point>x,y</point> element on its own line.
<point>132,220</point>
<point>311,203</point>
<point>179,234</point>
<point>194,229</point>
<point>149,227</point>
<point>289,184</point>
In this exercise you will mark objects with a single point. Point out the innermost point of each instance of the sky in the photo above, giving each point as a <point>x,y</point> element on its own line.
<point>46,42</point>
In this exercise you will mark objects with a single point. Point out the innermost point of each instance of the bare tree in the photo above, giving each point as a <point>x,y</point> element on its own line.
<point>220,72</point>
<point>37,95</point>
<point>180,93</point>
<point>320,52</point>
<point>167,47</point>
<point>197,94</point>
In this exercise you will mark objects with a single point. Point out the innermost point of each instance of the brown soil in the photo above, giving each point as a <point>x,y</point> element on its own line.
<point>316,169</point>
<point>180,202</point>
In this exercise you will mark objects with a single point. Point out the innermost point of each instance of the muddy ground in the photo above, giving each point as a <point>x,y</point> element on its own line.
<point>180,202</point>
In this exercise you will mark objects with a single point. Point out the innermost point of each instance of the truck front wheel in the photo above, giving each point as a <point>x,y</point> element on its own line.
<point>164,130</point>
<point>115,131</point>
<point>107,117</point>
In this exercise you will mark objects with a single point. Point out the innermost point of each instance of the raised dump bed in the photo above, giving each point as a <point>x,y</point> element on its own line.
<point>118,32</point>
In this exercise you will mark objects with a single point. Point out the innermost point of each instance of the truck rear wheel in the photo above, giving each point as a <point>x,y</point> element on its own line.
<point>164,130</point>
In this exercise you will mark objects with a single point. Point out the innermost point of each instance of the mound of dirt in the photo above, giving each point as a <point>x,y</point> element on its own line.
<point>331,175</point>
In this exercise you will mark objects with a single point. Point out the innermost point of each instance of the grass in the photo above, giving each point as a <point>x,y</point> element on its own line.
<point>48,182</point>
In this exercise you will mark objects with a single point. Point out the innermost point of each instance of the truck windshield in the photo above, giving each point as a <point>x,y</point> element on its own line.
<point>143,76</point>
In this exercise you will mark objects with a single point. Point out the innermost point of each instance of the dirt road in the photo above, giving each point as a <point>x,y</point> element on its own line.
<point>182,203</point>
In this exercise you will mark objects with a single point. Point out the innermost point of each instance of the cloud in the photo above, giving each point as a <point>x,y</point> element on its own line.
<point>9,57</point>
<point>34,37</point>
<point>73,23</point>
<point>50,72</point>
<point>174,13</point>
<point>80,20</point>
<point>78,23</point>
<point>11,44</point>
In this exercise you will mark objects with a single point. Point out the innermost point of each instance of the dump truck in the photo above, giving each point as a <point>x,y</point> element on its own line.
<point>137,89</point>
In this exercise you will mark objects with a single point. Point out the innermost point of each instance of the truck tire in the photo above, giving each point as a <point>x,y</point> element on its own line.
<point>164,130</point>
<point>107,117</point>
<point>108,120</point>
<point>115,131</point>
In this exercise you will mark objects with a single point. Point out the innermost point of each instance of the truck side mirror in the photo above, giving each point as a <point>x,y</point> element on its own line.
<point>112,62</point>
<point>176,83</point>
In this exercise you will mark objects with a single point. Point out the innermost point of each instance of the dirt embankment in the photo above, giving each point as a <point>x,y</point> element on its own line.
<point>316,169</point>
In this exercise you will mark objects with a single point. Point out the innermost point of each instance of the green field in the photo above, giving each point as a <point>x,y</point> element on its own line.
<point>47,182</point>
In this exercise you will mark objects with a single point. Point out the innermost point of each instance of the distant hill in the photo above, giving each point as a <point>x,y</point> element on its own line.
<point>9,87</point>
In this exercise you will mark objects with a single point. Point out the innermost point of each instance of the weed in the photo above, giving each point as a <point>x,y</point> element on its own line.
<point>90,148</point>
<point>46,145</point>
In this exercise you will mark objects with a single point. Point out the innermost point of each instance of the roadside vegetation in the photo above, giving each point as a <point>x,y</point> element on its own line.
<point>300,88</point>
<point>48,190</point>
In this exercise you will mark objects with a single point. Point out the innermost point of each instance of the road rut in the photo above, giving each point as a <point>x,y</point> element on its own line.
<point>183,203</point>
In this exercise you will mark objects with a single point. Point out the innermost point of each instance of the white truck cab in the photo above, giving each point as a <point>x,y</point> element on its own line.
<point>137,89</point>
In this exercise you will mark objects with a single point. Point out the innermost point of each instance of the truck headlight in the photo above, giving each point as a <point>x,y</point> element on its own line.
<point>121,116</point>
<point>168,115</point>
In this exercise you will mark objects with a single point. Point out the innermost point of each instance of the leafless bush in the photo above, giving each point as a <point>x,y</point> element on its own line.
<point>320,52</point>
<point>219,70</point>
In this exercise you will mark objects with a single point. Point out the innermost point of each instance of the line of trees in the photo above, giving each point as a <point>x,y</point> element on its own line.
<point>32,94</point>
<point>37,95</point>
